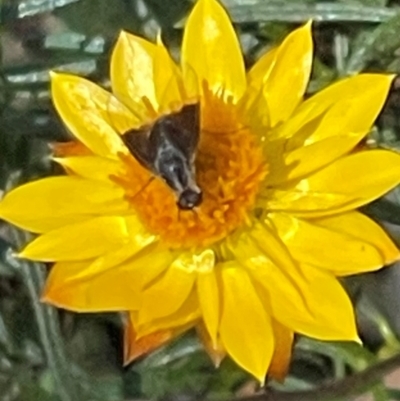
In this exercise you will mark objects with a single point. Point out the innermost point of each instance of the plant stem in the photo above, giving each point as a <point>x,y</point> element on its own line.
<point>50,335</point>
<point>340,389</point>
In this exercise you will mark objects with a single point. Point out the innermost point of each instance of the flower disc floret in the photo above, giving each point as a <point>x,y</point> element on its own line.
<point>229,169</point>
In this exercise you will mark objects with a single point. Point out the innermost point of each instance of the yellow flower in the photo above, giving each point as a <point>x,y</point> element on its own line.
<point>257,260</point>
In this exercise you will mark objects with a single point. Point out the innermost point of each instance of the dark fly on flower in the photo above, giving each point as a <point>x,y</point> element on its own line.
<point>167,148</point>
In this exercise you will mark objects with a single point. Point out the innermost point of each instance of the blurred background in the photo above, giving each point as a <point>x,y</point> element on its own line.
<point>55,355</point>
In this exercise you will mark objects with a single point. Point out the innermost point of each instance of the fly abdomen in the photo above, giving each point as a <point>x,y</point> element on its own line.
<point>178,172</point>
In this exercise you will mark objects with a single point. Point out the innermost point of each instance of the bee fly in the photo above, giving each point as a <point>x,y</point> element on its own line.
<point>168,148</point>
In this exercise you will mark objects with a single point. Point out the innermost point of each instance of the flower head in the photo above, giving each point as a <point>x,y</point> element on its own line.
<point>257,259</point>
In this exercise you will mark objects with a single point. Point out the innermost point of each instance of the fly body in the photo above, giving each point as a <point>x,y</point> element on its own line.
<point>168,149</point>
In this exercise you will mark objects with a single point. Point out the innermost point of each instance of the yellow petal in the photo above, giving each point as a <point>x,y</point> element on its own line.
<point>309,158</point>
<point>186,316</point>
<point>246,331</point>
<point>136,347</point>
<point>356,109</point>
<point>91,167</point>
<point>261,70</point>
<point>266,240</point>
<point>216,350</point>
<point>117,288</point>
<point>322,247</point>
<point>54,202</point>
<point>211,48</point>
<point>70,148</point>
<point>346,184</point>
<point>282,351</point>
<point>296,298</point>
<point>110,239</point>
<point>114,291</point>
<point>91,114</point>
<point>352,104</point>
<point>302,202</point>
<point>137,242</point>
<point>282,280</point>
<point>253,107</point>
<point>173,288</point>
<point>208,293</point>
<point>331,148</point>
<point>131,73</point>
<point>287,80</point>
<point>149,265</point>
<point>356,225</point>
<point>167,80</point>
<point>253,112</point>
<point>79,241</point>
<point>330,306</point>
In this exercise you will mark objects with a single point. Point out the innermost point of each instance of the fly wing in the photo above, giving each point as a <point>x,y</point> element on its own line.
<point>179,130</point>
<point>137,141</point>
<point>187,128</point>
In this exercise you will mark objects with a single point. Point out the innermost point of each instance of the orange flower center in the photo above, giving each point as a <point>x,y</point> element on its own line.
<point>229,170</point>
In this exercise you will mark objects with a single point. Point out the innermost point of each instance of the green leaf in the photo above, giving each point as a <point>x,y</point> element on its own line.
<point>394,394</point>
<point>380,393</point>
<point>185,346</point>
<point>351,353</point>
<point>250,11</point>
<point>382,41</point>
<point>75,41</point>
<point>31,7</point>
<point>292,383</point>
<point>5,336</point>
<point>373,3</point>
<point>8,265</point>
<point>183,368</point>
<point>168,13</point>
<point>65,40</point>
<point>99,17</point>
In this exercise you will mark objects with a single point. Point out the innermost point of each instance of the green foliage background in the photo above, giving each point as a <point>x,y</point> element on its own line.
<point>46,354</point>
